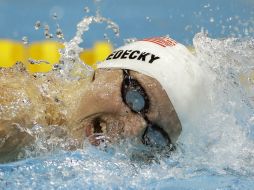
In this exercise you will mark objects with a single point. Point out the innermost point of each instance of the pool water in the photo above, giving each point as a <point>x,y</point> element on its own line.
<point>214,151</point>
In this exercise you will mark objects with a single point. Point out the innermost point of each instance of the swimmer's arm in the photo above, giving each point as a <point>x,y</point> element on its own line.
<point>12,140</point>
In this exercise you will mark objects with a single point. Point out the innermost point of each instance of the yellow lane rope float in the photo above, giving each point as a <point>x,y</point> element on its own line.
<point>11,52</point>
<point>47,54</point>
<point>41,56</point>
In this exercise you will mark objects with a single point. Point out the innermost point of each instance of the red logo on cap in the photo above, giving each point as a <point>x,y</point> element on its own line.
<point>162,41</point>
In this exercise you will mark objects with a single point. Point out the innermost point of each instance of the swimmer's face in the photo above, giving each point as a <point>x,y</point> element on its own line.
<point>124,104</point>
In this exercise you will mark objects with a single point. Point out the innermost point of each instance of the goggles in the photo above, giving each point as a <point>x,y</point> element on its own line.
<point>136,98</point>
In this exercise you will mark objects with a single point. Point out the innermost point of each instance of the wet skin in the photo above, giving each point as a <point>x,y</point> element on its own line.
<point>104,110</point>
<point>96,110</point>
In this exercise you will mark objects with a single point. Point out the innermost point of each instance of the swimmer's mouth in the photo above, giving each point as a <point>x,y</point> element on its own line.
<point>96,132</point>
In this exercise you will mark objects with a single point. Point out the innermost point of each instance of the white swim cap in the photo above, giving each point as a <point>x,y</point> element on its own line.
<point>168,62</point>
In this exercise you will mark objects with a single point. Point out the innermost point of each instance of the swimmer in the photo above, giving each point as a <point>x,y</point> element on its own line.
<point>143,90</point>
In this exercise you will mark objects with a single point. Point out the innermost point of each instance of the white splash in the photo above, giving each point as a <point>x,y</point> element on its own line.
<point>70,54</point>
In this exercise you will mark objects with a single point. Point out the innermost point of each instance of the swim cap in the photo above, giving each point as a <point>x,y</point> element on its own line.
<point>168,62</point>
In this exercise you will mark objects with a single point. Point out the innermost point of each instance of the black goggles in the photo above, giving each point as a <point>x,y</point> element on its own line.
<point>135,97</point>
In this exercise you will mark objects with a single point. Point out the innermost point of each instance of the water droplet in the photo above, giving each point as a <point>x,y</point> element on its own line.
<point>112,25</point>
<point>46,27</point>
<point>106,37</point>
<point>54,16</point>
<point>188,28</point>
<point>130,40</point>
<point>229,19</point>
<point>25,40</point>
<point>59,33</point>
<point>246,31</point>
<point>37,25</point>
<point>86,9</point>
<point>207,6</point>
<point>73,67</point>
<point>32,61</point>
<point>148,19</point>
<point>47,34</point>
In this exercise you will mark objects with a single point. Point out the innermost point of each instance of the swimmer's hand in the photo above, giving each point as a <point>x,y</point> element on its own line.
<point>12,140</point>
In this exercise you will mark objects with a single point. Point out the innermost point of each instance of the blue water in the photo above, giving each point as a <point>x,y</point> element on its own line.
<point>216,147</point>
<point>180,19</point>
<point>99,170</point>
